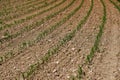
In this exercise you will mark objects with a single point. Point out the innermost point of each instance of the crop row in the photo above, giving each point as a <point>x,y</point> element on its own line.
<point>56,47</point>
<point>118,7</point>
<point>16,15</point>
<point>34,25</point>
<point>6,5</point>
<point>40,36</point>
<point>16,22</point>
<point>99,35</point>
<point>7,11</point>
<point>95,46</point>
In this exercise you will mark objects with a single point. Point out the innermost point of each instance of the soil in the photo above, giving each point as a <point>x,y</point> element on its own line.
<point>64,64</point>
<point>105,65</point>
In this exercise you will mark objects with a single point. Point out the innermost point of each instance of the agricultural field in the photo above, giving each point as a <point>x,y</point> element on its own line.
<point>59,39</point>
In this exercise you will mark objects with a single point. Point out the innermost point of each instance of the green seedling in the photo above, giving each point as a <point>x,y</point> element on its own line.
<point>99,35</point>
<point>80,72</point>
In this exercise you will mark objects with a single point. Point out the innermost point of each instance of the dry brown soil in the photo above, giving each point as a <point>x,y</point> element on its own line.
<point>64,63</point>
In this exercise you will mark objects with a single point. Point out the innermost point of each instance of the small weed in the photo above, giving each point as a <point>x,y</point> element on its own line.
<point>31,70</point>
<point>7,34</point>
<point>80,72</point>
<point>46,3</point>
<point>72,78</point>
<point>70,23</point>
<point>1,59</point>
<point>8,54</point>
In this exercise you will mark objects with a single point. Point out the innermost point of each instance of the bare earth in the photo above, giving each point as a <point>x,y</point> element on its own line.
<point>63,64</point>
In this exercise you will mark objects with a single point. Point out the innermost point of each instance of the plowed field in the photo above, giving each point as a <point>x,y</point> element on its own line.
<point>59,40</point>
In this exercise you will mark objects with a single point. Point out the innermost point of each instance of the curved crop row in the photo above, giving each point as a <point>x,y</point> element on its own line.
<point>99,35</point>
<point>8,3</point>
<point>6,6</point>
<point>95,46</point>
<point>31,1</point>
<point>22,46</point>
<point>118,7</point>
<point>16,15</point>
<point>28,17</point>
<point>34,25</point>
<point>7,11</point>
<point>56,48</point>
